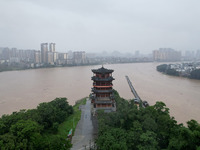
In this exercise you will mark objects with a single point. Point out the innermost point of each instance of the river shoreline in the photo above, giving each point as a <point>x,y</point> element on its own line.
<point>63,66</point>
<point>180,71</point>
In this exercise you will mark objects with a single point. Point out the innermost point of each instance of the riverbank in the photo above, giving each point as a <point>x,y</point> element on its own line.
<point>18,68</point>
<point>182,70</point>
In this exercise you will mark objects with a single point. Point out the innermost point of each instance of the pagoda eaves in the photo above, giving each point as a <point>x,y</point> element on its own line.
<point>102,70</point>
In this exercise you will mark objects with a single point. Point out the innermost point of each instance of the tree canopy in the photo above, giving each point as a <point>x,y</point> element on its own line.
<point>138,128</point>
<point>27,129</point>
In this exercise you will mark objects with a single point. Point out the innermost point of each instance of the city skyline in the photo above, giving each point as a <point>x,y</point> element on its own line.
<point>94,26</point>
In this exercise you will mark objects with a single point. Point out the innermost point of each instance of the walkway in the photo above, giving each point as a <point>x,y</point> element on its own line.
<point>83,136</point>
<point>132,89</point>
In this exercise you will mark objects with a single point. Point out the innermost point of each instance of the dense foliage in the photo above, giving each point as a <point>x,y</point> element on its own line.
<point>162,68</point>
<point>195,74</point>
<point>31,129</point>
<point>166,69</point>
<point>149,128</point>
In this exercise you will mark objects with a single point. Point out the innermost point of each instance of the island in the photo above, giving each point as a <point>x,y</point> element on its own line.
<point>189,70</point>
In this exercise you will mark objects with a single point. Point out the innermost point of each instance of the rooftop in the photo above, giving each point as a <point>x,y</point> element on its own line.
<point>102,70</point>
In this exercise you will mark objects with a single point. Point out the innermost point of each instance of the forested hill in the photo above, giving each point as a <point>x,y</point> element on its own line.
<point>35,128</point>
<point>150,128</point>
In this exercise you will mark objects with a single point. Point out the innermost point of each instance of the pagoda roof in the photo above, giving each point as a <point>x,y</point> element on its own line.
<point>102,70</point>
<point>102,91</point>
<point>102,79</point>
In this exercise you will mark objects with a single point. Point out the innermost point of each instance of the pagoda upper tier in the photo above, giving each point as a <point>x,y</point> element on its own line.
<point>95,78</point>
<point>102,70</point>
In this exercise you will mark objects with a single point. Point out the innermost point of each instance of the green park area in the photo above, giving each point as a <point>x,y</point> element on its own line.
<point>46,127</point>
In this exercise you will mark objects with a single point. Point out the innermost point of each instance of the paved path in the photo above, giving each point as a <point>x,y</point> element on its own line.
<point>84,130</point>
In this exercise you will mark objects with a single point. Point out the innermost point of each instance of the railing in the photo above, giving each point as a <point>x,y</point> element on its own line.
<point>137,98</point>
<point>132,88</point>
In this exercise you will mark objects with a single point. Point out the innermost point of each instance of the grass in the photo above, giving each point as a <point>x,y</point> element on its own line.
<point>71,121</point>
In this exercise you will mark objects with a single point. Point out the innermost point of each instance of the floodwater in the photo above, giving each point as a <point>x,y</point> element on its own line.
<point>26,89</point>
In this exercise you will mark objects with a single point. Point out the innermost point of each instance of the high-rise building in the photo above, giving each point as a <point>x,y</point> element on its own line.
<point>52,47</point>
<point>79,57</point>
<point>62,58</point>
<point>55,57</point>
<point>37,57</point>
<point>198,54</point>
<point>50,58</point>
<point>137,54</point>
<point>44,53</point>
<point>166,54</point>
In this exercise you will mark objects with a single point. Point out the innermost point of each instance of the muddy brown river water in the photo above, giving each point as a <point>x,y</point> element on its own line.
<point>26,89</point>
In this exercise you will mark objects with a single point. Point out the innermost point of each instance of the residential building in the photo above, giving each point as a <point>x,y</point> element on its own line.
<point>44,53</point>
<point>79,57</point>
<point>166,54</point>
<point>52,47</point>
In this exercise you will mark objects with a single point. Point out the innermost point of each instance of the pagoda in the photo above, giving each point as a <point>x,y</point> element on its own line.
<point>102,92</point>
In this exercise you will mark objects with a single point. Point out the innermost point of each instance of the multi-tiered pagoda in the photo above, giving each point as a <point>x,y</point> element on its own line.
<point>102,91</point>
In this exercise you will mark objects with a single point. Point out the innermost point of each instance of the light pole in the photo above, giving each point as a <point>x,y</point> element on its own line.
<point>73,122</point>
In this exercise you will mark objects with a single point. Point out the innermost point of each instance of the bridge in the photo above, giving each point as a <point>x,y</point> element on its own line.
<point>132,89</point>
<point>137,98</point>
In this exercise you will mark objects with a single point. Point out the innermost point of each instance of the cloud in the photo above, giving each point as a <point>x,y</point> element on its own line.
<point>100,25</point>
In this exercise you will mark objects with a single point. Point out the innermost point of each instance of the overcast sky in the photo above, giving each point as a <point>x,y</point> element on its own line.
<point>101,25</point>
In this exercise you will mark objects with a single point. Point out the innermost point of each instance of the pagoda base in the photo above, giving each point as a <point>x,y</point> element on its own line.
<point>106,107</point>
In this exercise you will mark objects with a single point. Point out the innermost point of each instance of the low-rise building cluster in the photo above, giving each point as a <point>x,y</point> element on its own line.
<point>185,69</point>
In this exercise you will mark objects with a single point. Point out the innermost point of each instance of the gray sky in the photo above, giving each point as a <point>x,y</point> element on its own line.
<point>101,25</point>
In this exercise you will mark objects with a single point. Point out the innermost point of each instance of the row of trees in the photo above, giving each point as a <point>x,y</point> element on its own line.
<point>150,128</point>
<point>195,74</point>
<point>35,128</point>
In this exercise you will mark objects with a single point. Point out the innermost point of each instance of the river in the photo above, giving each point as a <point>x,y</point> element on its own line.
<point>27,88</point>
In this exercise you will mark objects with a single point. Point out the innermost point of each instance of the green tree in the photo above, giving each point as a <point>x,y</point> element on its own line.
<point>195,74</point>
<point>26,132</point>
<point>162,68</point>
<point>112,139</point>
<point>148,141</point>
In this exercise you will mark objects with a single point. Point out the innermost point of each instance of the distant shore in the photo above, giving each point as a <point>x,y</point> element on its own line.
<point>17,68</point>
<point>169,69</point>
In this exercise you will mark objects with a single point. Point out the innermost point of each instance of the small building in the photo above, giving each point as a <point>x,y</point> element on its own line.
<point>102,92</point>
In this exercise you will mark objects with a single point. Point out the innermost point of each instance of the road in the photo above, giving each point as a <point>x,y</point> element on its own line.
<point>83,136</point>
